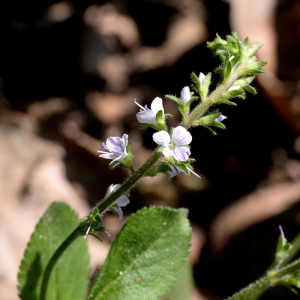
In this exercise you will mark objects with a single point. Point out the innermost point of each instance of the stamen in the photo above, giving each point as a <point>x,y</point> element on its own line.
<point>134,100</point>
<point>103,145</point>
<point>107,232</point>
<point>87,232</point>
<point>282,235</point>
<point>194,173</point>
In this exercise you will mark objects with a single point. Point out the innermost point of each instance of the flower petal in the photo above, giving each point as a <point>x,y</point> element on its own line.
<point>108,155</point>
<point>181,153</point>
<point>125,140</point>
<point>115,144</point>
<point>234,88</point>
<point>118,211</point>
<point>201,77</point>
<point>146,116</point>
<point>174,173</point>
<point>167,152</point>
<point>220,118</point>
<point>122,201</point>
<point>157,105</point>
<point>111,189</point>
<point>161,138</point>
<point>181,136</point>
<point>185,94</point>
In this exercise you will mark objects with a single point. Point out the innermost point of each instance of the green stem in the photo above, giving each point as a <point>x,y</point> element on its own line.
<point>271,279</point>
<point>102,206</point>
<point>57,254</point>
<point>203,106</point>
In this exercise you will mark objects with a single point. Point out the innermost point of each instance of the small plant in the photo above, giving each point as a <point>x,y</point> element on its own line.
<point>152,247</point>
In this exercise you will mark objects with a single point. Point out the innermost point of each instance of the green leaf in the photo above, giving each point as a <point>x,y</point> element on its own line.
<point>174,98</point>
<point>114,164</point>
<point>69,279</point>
<point>225,102</point>
<point>146,256</point>
<point>205,86</point>
<point>252,71</point>
<point>218,124</point>
<point>183,288</point>
<point>195,79</point>
<point>227,71</point>
<point>250,89</point>
<point>168,116</point>
<point>147,126</point>
<point>212,131</point>
<point>219,69</point>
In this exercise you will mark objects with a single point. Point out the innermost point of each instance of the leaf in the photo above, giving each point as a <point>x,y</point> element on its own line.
<point>225,102</point>
<point>183,287</point>
<point>146,256</point>
<point>114,164</point>
<point>69,279</point>
<point>250,89</point>
<point>174,98</point>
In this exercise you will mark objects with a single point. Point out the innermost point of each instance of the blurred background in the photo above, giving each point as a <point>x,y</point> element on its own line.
<point>69,71</point>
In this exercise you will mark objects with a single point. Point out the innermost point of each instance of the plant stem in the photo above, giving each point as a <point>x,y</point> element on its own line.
<point>129,183</point>
<point>203,106</point>
<point>57,254</point>
<point>271,279</point>
<point>102,206</point>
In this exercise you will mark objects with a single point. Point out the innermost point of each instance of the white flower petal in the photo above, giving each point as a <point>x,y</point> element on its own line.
<point>157,105</point>
<point>112,188</point>
<point>181,136</point>
<point>122,201</point>
<point>125,140</point>
<point>118,211</point>
<point>231,57</point>
<point>181,153</point>
<point>115,144</point>
<point>161,138</point>
<point>234,88</point>
<point>201,77</point>
<point>146,116</point>
<point>185,94</point>
<point>108,155</point>
<point>167,152</point>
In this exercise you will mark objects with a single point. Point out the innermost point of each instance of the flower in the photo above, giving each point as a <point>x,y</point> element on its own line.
<point>220,118</point>
<point>147,115</point>
<point>231,57</point>
<point>116,147</point>
<point>201,77</point>
<point>185,94</point>
<point>234,88</point>
<point>120,202</point>
<point>175,146</point>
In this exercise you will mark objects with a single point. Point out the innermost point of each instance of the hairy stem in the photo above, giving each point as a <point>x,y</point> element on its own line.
<point>203,106</point>
<point>57,254</point>
<point>102,206</point>
<point>269,280</point>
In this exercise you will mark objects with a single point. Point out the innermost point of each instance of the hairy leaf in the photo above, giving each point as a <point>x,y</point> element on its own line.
<point>69,279</point>
<point>146,256</point>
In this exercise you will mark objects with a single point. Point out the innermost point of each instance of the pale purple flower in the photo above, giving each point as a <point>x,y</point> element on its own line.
<point>116,147</point>
<point>201,77</point>
<point>120,202</point>
<point>234,88</point>
<point>147,115</point>
<point>220,118</point>
<point>185,94</point>
<point>175,146</point>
